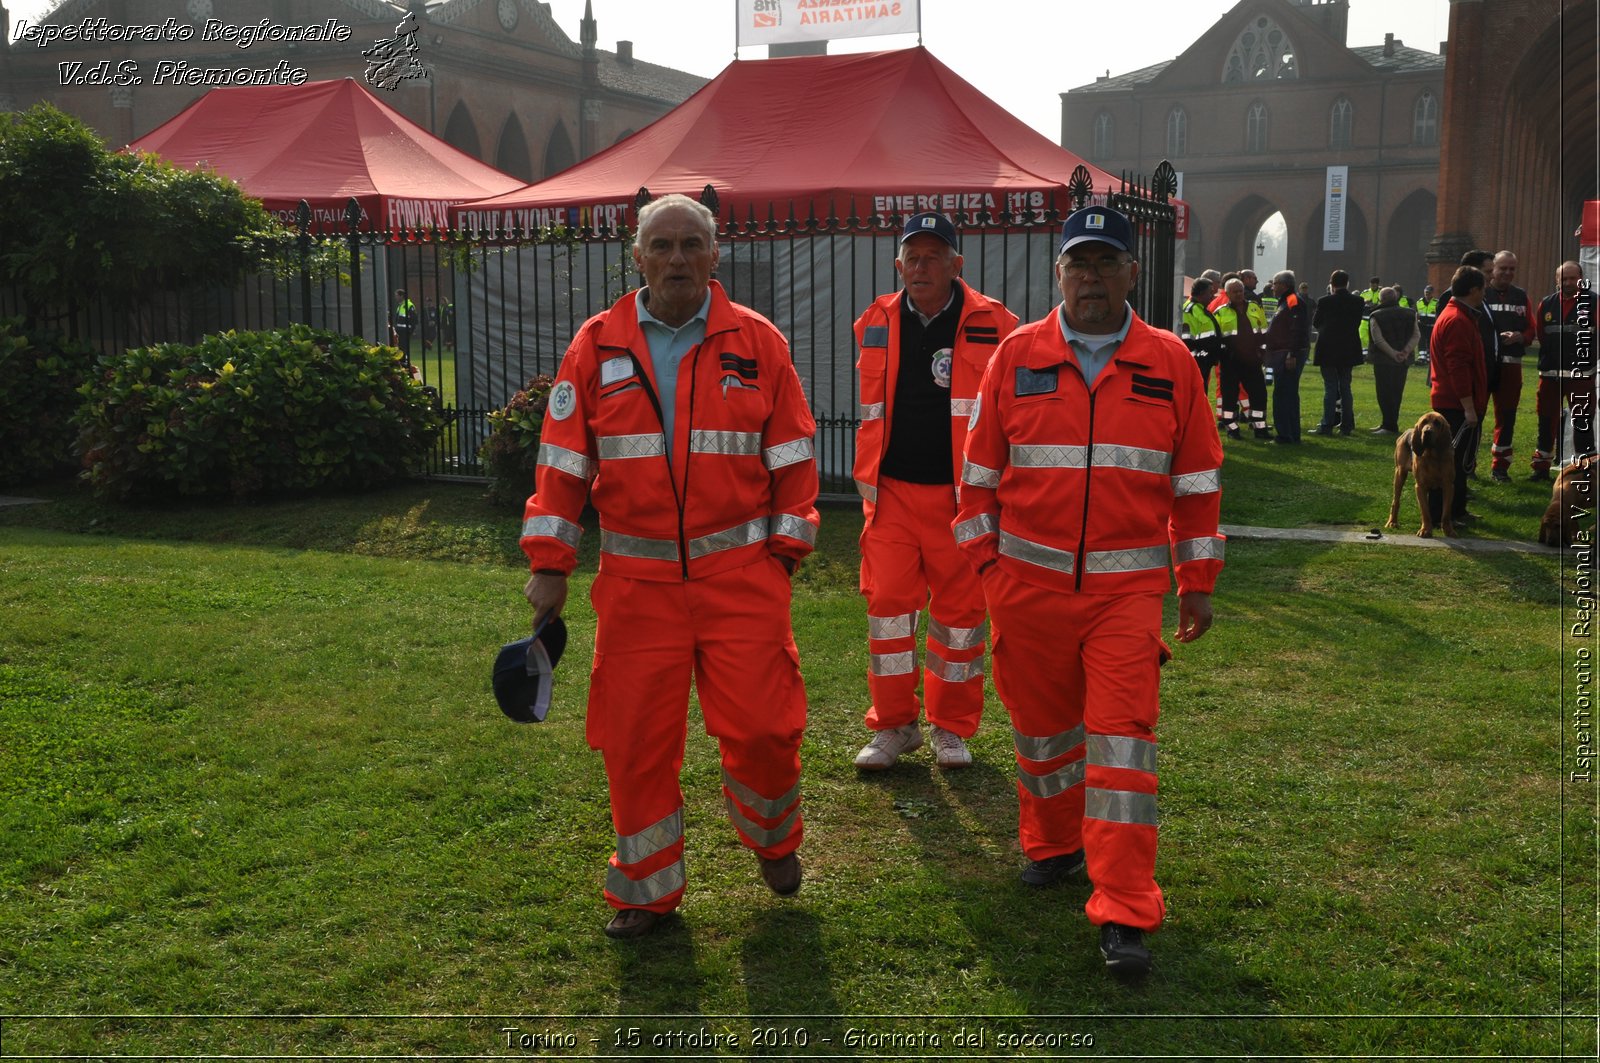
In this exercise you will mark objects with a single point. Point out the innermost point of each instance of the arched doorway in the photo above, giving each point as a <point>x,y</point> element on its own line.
<point>1405,243</point>
<point>512,154</point>
<point>558,153</point>
<point>461,133</point>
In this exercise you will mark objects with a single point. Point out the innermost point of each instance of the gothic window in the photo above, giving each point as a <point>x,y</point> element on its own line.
<point>1104,135</point>
<point>1425,120</point>
<point>1262,51</point>
<point>1339,123</point>
<point>1255,128</point>
<point>1177,133</point>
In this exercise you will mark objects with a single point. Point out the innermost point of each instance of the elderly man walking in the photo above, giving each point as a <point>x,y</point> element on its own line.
<point>923,351</point>
<point>1093,468</point>
<point>679,415</point>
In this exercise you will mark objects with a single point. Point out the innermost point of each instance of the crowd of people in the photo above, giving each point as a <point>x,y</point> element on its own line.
<point>1032,488</point>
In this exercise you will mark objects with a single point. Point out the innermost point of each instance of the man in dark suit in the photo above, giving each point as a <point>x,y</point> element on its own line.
<point>1338,352</point>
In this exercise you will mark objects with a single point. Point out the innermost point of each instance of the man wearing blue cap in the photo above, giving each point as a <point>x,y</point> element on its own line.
<point>1092,469</point>
<point>923,351</point>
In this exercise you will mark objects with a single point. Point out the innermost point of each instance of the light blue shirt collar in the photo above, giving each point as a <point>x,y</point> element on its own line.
<point>647,318</point>
<point>1094,351</point>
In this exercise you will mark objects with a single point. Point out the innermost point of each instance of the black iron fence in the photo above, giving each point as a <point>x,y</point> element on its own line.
<point>491,310</point>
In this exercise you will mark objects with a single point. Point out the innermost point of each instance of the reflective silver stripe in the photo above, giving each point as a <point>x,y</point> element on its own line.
<point>957,638</point>
<point>961,407</point>
<point>1137,459</point>
<point>1141,559</point>
<point>785,454</point>
<point>1116,751</point>
<point>1207,334</point>
<point>634,546</point>
<point>798,528</point>
<point>740,444</point>
<point>1040,456</point>
<point>979,475</point>
<point>979,526</point>
<point>761,806</point>
<point>553,528</point>
<point>1056,782</point>
<point>872,411</point>
<point>762,836</point>
<point>746,534</point>
<point>1037,553</point>
<point>867,491</point>
<point>1049,747</point>
<point>667,881</point>
<point>1197,483</point>
<point>891,627</point>
<point>955,671</point>
<point>1120,806</point>
<point>654,838</point>
<point>568,461</point>
<point>1511,359</point>
<point>1198,549</point>
<point>892,663</point>
<point>649,445</point>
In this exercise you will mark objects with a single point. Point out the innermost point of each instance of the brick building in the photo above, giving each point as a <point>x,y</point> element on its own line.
<point>505,83</point>
<point>1255,111</point>
<point>1520,149</point>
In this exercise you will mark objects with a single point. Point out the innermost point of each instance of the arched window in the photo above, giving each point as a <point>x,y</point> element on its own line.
<point>558,153</point>
<point>1105,141</point>
<point>1262,51</point>
<point>1340,120</point>
<point>1177,133</point>
<point>1255,128</point>
<point>1425,120</point>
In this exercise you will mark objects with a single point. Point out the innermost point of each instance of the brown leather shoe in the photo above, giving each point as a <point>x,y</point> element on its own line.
<point>782,875</point>
<point>632,923</point>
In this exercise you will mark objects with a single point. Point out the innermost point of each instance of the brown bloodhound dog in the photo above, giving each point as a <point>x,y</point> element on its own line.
<point>1571,500</point>
<point>1427,451</point>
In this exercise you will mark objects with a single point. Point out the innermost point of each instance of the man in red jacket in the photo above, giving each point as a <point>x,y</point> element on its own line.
<point>679,415</point>
<point>923,351</point>
<point>1092,467</point>
<point>1458,380</point>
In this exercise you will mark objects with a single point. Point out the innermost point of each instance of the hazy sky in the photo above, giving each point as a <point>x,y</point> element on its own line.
<point>1021,53</point>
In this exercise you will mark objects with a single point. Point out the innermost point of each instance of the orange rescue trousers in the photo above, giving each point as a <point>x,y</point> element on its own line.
<point>731,633</point>
<point>1079,674</point>
<point>907,550</point>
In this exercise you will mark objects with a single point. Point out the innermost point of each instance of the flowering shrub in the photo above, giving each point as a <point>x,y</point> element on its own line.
<point>244,414</point>
<point>511,453</point>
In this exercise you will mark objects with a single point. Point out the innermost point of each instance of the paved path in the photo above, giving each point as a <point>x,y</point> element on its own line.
<point>12,500</point>
<point>1385,537</point>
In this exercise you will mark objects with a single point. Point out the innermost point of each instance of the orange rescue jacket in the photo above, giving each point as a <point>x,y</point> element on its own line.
<point>1095,491</point>
<point>743,482</point>
<point>984,322</point>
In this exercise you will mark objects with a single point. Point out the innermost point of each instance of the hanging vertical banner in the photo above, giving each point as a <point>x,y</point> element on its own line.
<point>1333,205</point>
<point>789,21</point>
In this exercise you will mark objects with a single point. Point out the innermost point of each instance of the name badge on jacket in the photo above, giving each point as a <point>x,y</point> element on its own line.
<point>1036,381</point>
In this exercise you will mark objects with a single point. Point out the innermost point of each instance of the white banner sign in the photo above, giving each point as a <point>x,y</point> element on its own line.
<point>1333,205</point>
<point>788,21</point>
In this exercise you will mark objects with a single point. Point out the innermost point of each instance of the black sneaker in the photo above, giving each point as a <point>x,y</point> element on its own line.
<point>1124,951</point>
<point>1233,431</point>
<point>1539,475</point>
<point>1500,476</point>
<point>1263,433</point>
<point>1052,869</point>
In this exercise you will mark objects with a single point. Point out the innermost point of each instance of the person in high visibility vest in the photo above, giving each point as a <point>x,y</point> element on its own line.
<point>923,350</point>
<point>1201,333</point>
<point>679,415</point>
<point>1371,299</point>
<point>1567,357</point>
<point>1242,324</point>
<point>402,319</point>
<point>1092,471</point>
<point>1427,314</point>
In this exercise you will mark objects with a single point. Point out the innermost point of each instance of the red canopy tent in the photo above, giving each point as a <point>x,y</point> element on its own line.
<point>325,142</point>
<point>885,132</point>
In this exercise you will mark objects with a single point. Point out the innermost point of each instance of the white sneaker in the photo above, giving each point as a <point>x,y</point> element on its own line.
<point>949,751</point>
<point>886,747</point>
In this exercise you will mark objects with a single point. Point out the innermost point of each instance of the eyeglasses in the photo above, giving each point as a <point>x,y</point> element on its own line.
<point>1081,268</point>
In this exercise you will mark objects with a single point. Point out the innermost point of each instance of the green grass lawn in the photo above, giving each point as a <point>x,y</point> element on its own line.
<point>256,798</point>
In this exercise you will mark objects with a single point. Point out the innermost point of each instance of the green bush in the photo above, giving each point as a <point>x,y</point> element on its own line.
<point>39,379</point>
<point>253,413</point>
<point>511,453</point>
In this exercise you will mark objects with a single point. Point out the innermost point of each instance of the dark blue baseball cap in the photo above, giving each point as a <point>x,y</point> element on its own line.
<point>930,223</point>
<point>1100,224</point>
<point>524,672</point>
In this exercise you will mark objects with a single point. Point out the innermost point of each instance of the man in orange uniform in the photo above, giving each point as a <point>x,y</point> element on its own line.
<point>1092,467</point>
<point>923,351</point>
<point>679,415</point>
